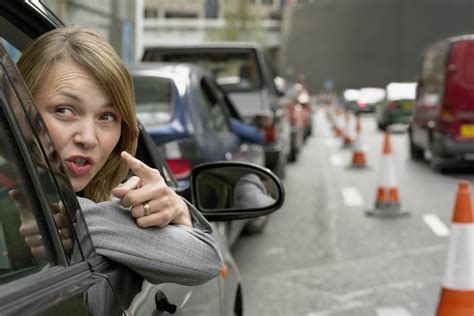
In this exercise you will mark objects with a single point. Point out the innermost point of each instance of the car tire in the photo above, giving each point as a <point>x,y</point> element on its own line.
<point>416,153</point>
<point>255,225</point>
<point>436,163</point>
<point>381,126</point>
<point>239,303</point>
<point>309,131</point>
<point>293,154</point>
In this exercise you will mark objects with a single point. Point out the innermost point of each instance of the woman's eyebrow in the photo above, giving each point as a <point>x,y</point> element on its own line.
<point>70,95</point>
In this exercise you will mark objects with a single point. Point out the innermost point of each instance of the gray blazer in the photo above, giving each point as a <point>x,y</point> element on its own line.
<point>175,253</point>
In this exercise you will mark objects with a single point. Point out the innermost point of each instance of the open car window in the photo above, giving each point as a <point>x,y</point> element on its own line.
<point>50,187</point>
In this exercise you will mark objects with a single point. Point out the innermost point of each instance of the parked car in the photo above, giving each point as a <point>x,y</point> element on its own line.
<point>300,112</point>
<point>188,117</point>
<point>91,284</point>
<point>443,121</point>
<point>397,106</point>
<point>190,120</point>
<point>349,99</point>
<point>244,72</point>
<point>368,97</point>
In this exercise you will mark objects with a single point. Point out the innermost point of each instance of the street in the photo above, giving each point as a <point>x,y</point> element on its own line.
<point>321,254</point>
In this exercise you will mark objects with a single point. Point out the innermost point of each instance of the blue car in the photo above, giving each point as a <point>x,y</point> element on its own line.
<point>192,121</point>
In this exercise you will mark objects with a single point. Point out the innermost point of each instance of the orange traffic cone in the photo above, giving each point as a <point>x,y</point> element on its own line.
<point>457,294</point>
<point>339,121</point>
<point>347,139</point>
<point>358,154</point>
<point>387,201</point>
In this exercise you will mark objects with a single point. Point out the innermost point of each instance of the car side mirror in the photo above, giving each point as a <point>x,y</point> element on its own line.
<point>224,191</point>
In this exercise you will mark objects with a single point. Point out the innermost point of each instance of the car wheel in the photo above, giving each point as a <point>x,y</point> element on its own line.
<point>416,153</point>
<point>293,154</point>
<point>381,126</point>
<point>308,132</point>
<point>255,226</point>
<point>239,304</point>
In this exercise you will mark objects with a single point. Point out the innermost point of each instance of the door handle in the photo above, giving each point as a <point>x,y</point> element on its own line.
<point>162,304</point>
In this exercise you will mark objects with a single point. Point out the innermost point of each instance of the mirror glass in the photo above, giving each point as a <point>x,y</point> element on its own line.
<point>235,187</point>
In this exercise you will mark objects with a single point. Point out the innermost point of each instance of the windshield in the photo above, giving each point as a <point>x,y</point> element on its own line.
<point>154,99</point>
<point>234,71</point>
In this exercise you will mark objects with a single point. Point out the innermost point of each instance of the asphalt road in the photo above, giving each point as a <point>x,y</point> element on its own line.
<point>321,254</point>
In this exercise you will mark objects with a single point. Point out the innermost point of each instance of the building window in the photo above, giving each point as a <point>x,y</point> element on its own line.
<point>151,13</point>
<point>181,14</point>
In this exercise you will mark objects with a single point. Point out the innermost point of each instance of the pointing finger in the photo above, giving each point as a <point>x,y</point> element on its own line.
<point>139,168</point>
<point>127,186</point>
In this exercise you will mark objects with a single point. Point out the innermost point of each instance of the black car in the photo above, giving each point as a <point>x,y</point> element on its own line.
<point>81,282</point>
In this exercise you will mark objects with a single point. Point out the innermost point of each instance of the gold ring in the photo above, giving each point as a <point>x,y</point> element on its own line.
<point>146,209</point>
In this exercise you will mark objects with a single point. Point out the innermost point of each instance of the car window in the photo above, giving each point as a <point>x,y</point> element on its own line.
<point>35,192</point>
<point>433,68</point>
<point>216,117</point>
<point>155,99</point>
<point>233,70</point>
<point>18,203</point>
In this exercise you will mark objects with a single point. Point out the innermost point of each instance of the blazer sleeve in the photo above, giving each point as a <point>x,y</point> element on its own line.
<point>174,253</point>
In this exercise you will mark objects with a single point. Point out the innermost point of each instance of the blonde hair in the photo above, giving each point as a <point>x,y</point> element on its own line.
<point>88,49</point>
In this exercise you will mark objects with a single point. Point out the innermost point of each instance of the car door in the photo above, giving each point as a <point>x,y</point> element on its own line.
<point>57,277</point>
<point>202,300</point>
<point>226,144</point>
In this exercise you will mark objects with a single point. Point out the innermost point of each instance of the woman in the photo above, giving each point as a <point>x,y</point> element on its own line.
<point>85,97</point>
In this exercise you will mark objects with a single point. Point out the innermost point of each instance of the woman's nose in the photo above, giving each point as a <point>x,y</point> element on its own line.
<point>86,134</point>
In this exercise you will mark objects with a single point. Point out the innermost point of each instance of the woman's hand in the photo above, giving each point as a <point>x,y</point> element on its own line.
<point>152,202</point>
<point>29,227</point>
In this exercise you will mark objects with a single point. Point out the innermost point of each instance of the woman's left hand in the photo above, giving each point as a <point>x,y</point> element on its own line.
<point>152,202</point>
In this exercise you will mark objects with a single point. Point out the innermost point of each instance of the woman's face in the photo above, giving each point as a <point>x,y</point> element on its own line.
<point>83,124</point>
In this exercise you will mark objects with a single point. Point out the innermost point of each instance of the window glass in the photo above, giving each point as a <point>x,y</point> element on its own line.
<point>216,118</point>
<point>234,71</point>
<point>19,214</point>
<point>154,99</point>
<point>37,204</point>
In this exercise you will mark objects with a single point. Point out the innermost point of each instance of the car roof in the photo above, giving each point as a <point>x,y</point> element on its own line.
<point>215,45</point>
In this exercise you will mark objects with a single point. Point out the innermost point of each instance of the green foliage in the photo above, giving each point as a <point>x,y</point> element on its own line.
<point>242,24</point>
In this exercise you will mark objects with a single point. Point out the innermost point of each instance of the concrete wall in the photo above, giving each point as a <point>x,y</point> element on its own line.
<point>360,43</point>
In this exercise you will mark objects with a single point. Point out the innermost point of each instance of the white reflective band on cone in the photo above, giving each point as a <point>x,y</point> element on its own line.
<point>460,262</point>
<point>387,177</point>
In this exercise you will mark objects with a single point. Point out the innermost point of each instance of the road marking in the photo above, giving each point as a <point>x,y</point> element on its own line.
<point>351,197</point>
<point>392,311</point>
<point>330,142</point>
<point>436,225</point>
<point>337,160</point>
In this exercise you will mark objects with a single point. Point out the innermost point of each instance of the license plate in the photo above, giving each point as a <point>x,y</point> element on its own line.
<point>407,105</point>
<point>467,130</point>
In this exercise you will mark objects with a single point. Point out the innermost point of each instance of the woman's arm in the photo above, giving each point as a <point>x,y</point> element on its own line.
<point>174,253</point>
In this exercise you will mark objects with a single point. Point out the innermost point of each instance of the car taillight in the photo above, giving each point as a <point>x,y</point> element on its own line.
<point>179,156</point>
<point>361,104</point>
<point>270,134</point>
<point>446,120</point>
<point>181,168</point>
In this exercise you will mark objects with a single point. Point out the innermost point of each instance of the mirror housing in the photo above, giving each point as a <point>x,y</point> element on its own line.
<point>225,191</point>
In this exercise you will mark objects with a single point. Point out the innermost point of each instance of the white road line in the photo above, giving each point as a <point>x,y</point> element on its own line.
<point>392,311</point>
<point>436,225</point>
<point>337,160</point>
<point>330,142</point>
<point>351,197</point>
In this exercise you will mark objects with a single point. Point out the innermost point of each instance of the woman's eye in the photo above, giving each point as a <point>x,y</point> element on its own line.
<point>109,117</point>
<point>64,110</point>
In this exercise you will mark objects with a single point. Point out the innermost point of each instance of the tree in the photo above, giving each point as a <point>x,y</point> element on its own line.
<point>241,24</point>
